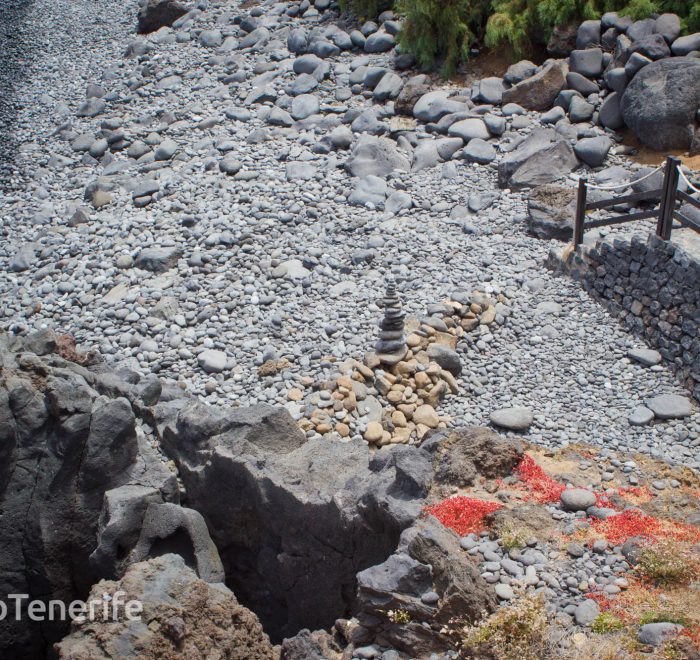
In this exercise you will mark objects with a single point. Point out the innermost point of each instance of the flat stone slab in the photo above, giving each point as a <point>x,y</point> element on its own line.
<point>669,406</point>
<point>640,416</point>
<point>514,419</point>
<point>646,356</point>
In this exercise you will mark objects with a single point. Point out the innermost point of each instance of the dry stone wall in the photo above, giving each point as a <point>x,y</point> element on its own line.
<point>653,287</point>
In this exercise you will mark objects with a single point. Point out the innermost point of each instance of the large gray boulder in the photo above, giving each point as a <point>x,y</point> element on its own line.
<point>435,105</point>
<point>68,435</point>
<point>539,91</point>
<point>540,159</point>
<point>431,579</point>
<point>550,211</point>
<point>661,102</point>
<point>377,156</point>
<point>283,504</point>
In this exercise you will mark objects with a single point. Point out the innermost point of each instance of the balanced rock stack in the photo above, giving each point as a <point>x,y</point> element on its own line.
<point>391,347</point>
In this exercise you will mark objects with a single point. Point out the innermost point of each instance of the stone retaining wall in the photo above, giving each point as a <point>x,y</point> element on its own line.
<point>653,287</point>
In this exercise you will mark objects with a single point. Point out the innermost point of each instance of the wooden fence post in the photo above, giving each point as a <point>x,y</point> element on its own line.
<point>668,198</point>
<point>580,212</point>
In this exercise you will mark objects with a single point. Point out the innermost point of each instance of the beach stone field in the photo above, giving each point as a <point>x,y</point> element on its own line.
<point>185,202</point>
<point>272,294</point>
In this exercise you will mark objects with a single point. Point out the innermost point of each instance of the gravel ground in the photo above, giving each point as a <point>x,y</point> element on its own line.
<point>266,265</point>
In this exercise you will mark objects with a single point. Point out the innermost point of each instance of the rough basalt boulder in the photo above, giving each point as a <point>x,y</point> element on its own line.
<point>68,435</point>
<point>541,158</point>
<point>461,456</point>
<point>538,92</point>
<point>291,516</point>
<point>660,103</point>
<point>376,156</point>
<point>156,14</point>
<point>432,580</point>
<point>182,617</point>
<point>551,210</point>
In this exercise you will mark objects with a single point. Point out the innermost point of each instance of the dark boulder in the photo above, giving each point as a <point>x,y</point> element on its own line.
<point>283,504</point>
<point>432,580</point>
<point>159,13</point>
<point>63,446</point>
<point>186,618</point>
<point>661,102</point>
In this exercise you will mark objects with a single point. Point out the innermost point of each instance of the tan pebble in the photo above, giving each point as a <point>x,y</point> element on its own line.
<point>407,409</point>
<point>337,396</point>
<point>306,381</point>
<point>345,382</point>
<point>323,428</point>
<point>426,415</point>
<point>305,424</point>
<point>398,418</point>
<point>342,429</point>
<point>488,316</point>
<point>374,432</point>
<point>450,380</point>
<point>422,379</point>
<point>365,372</point>
<point>395,396</point>
<point>383,385</point>
<point>401,436</point>
<point>413,340</point>
<point>386,438</point>
<point>421,430</point>
<point>295,394</point>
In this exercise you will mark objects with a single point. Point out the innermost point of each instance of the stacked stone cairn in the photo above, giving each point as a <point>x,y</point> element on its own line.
<point>391,347</point>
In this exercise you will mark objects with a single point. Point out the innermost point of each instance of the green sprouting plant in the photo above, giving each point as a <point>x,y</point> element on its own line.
<point>663,616</point>
<point>513,632</point>
<point>441,30</point>
<point>606,623</point>
<point>512,536</point>
<point>399,616</point>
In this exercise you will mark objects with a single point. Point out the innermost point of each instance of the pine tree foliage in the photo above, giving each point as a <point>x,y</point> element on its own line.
<point>441,32</point>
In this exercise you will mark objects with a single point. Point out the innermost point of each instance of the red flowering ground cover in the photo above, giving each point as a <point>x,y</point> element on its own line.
<point>463,514</point>
<point>542,488</point>
<point>631,522</point>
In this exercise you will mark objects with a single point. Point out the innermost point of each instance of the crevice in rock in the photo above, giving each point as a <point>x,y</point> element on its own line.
<point>178,543</point>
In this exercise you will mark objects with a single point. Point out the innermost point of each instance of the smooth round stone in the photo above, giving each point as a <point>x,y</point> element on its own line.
<point>577,499</point>
<point>514,419</point>
<point>212,361</point>
<point>504,591</point>
<point>640,416</point>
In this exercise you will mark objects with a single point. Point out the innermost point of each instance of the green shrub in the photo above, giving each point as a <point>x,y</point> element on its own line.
<point>663,616</point>
<point>441,31</point>
<point>606,623</point>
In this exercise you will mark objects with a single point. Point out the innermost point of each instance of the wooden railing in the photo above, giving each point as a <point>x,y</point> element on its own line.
<point>668,197</point>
